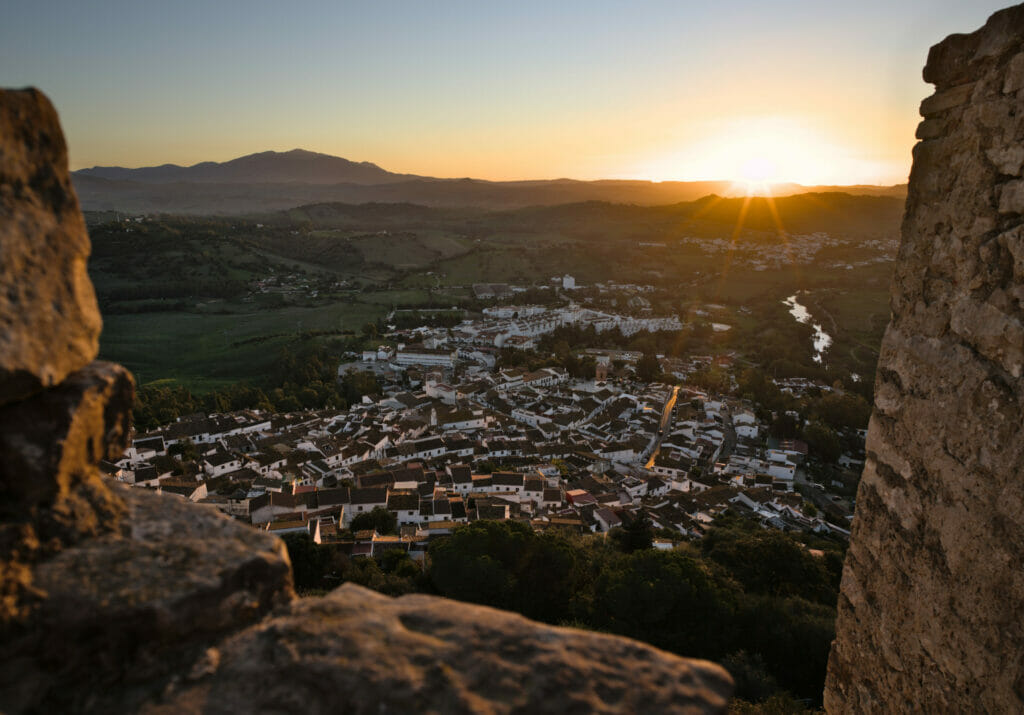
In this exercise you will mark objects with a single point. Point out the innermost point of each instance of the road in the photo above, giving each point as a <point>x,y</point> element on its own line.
<point>666,419</point>
<point>728,435</point>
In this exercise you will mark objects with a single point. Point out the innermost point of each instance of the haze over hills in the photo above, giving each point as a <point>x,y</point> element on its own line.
<point>297,165</point>
<point>270,181</point>
<point>711,216</point>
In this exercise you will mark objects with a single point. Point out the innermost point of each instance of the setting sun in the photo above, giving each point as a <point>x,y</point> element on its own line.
<point>759,170</point>
<point>758,152</point>
<point>757,175</point>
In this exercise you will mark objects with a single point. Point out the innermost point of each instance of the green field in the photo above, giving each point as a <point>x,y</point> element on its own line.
<point>210,301</point>
<point>212,350</point>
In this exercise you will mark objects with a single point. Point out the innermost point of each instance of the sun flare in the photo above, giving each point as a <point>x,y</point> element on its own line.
<point>759,170</point>
<point>758,174</point>
<point>758,154</point>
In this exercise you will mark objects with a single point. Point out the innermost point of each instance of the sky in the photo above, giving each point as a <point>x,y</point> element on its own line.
<point>813,92</point>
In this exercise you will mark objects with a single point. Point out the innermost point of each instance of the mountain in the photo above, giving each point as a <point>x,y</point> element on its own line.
<point>267,167</point>
<point>271,181</point>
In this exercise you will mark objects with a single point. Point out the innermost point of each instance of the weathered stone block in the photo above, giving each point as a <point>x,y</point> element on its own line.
<point>1011,198</point>
<point>962,58</point>
<point>124,614</point>
<point>1014,75</point>
<point>931,129</point>
<point>49,321</point>
<point>1007,159</point>
<point>50,440</point>
<point>944,101</point>
<point>929,609</point>
<point>51,492</point>
<point>368,653</point>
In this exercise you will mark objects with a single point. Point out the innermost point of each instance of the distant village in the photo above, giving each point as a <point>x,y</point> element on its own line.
<point>452,439</point>
<point>796,249</point>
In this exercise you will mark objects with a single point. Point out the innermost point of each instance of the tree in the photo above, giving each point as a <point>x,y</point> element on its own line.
<point>637,535</point>
<point>185,449</point>
<point>398,562</point>
<point>310,561</point>
<point>477,562</point>
<point>769,562</point>
<point>823,442</point>
<point>846,411</point>
<point>648,368</point>
<point>667,598</point>
<point>715,379</point>
<point>750,674</point>
<point>785,426</point>
<point>380,520</point>
<point>356,384</point>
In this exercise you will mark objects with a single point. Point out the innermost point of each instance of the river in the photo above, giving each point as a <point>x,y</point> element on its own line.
<point>821,339</point>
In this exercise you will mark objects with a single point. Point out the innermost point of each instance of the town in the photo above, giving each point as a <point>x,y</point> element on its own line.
<point>453,436</point>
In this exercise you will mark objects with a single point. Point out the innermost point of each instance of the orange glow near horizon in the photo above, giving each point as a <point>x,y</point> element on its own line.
<point>758,153</point>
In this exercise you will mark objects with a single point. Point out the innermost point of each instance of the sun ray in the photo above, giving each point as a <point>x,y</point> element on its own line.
<point>691,219</point>
<point>740,219</point>
<point>783,235</point>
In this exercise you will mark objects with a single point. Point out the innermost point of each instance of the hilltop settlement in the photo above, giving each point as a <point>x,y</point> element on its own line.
<point>454,436</point>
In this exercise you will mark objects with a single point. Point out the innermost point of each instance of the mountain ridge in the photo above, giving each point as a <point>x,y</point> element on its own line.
<point>297,165</point>
<point>281,180</point>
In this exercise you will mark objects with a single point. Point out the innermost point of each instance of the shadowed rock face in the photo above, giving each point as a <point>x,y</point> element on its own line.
<point>51,491</point>
<point>120,616</point>
<point>120,600</point>
<point>930,615</point>
<point>374,654</point>
<point>59,415</point>
<point>49,321</point>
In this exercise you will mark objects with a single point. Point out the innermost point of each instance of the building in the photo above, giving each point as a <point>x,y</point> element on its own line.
<point>420,355</point>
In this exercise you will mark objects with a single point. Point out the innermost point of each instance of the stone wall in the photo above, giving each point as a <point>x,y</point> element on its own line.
<point>931,611</point>
<point>120,600</point>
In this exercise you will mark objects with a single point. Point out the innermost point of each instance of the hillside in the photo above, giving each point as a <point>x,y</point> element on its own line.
<point>209,301</point>
<point>271,181</point>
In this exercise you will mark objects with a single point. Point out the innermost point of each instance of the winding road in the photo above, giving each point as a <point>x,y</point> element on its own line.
<point>666,418</point>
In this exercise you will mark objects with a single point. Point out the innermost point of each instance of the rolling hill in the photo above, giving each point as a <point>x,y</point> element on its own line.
<point>271,181</point>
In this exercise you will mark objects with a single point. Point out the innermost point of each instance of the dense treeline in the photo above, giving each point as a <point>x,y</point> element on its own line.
<point>210,288</point>
<point>560,348</point>
<point>300,379</point>
<point>417,317</point>
<point>827,421</point>
<point>756,600</point>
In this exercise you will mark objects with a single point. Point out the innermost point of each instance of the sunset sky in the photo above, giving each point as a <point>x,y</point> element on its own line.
<point>813,92</point>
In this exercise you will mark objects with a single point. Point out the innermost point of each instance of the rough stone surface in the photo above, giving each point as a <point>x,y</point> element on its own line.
<point>49,321</point>
<point>51,492</point>
<point>367,653</point>
<point>931,610</point>
<point>123,614</point>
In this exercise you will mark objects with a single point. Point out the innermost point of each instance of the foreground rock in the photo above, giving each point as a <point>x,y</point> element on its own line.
<point>121,615</point>
<point>930,614</point>
<point>51,491</point>
<point>49,321</point>
<point>357,651</point>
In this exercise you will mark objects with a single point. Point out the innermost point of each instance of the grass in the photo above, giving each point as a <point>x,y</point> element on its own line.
<point>211,350</point>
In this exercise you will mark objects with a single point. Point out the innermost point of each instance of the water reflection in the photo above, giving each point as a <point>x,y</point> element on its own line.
<point>821,339</point>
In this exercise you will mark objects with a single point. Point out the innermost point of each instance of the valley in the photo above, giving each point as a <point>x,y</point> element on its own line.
<point>207,301</point>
